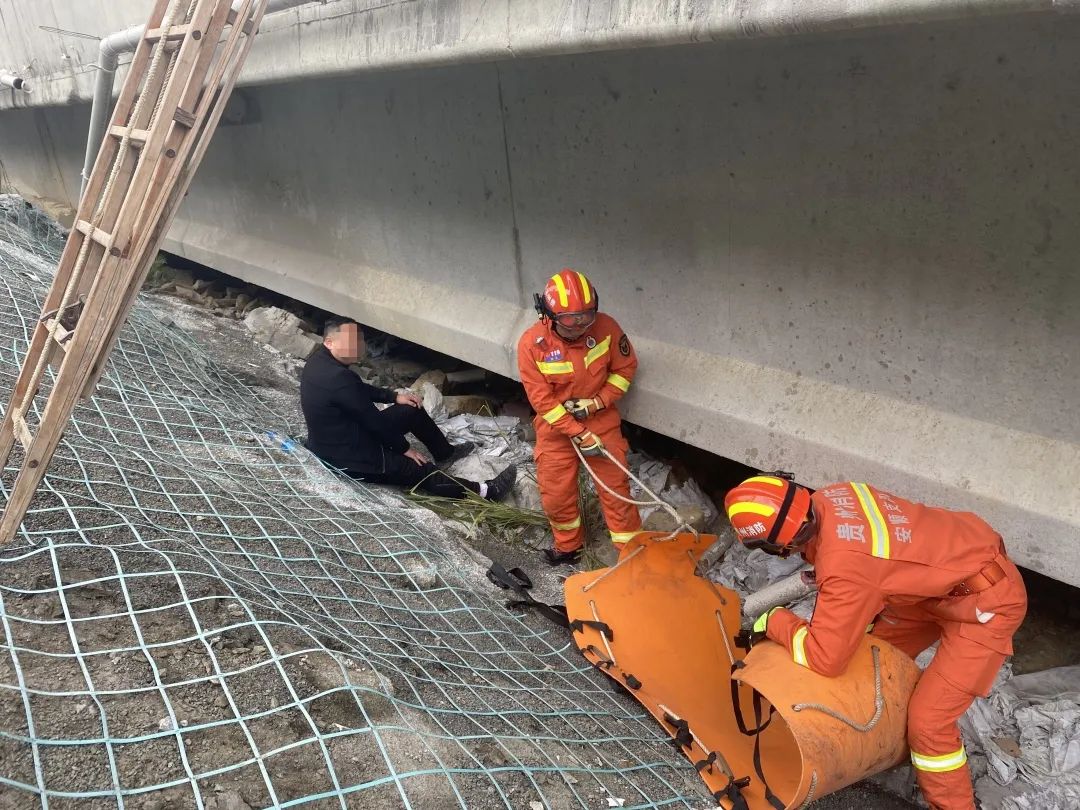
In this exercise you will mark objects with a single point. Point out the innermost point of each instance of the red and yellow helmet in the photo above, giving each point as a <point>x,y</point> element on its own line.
<point>770,512</point>
<point>569,299</point>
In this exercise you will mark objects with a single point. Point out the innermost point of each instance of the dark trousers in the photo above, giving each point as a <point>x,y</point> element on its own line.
<point>404,472</point>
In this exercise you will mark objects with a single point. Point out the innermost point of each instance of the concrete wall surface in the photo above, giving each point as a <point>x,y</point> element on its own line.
<point>53,43</point>
<point>849,255</point>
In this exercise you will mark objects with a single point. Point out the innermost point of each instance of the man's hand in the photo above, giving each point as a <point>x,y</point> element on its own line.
<point>408,398</point>
<point>583,408</point>
<point>415,455</point>
<point>588,443</point>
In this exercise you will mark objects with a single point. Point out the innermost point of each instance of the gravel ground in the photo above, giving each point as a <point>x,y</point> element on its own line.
<point>192,611</point>
<point>278,386</point>
<point>189,610</point>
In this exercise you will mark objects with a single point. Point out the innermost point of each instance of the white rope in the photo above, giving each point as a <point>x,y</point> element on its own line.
<point>680,524</point>
<point>724,636</point>
<point>603,635</point>
<point>622,561</point>
<point>810,793</point>
<point>879,702</point>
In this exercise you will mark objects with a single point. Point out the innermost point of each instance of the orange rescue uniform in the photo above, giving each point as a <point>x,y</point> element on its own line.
<point>601,363</point>
<point>919,574</point>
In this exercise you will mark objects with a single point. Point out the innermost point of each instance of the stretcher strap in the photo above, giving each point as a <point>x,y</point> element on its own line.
<point>785,507</point>
<point>755,732</point>
<point>770,797</point>
<point>577,625</point>
<point>733,793</point>
<point>682,737</point>
<point>602,661</point>
<point>503,578</point>
<point>736,705</point>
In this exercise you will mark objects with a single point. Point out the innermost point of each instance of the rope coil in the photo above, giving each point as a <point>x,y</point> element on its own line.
<point>879,702</point>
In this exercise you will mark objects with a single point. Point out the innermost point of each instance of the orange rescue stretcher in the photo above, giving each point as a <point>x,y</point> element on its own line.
<point>762,731</point>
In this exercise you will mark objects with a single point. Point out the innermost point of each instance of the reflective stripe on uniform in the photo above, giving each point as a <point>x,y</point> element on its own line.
<point>560,285</point>
<point>565,527</point>
<point>555,414</point>
<point>765,479</point>
<point>879,530</point>
<point>598,351</point>
<point>565,367</point>
<point>585,288</point>
<point>940,764</point>
<point>624,537</point>
<point>798,647</point>
<point>619,381</point>
<point>752,507</point>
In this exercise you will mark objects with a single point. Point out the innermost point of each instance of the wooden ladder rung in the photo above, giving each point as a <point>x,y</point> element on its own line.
<point>101,237</point>
<point>184,118</point>
<point>231,18</point>
<point>172,34</point>
<point>60,334</point>
<point>22,432</point>
<point>137,136</point>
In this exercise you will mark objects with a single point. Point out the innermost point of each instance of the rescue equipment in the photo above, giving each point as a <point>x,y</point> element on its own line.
<point>569,300</point>
<point>770,512</point>
<point>763,732</point>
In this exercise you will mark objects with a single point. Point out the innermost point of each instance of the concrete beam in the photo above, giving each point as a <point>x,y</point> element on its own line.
<point>341,37</point>
<point>850,256</point>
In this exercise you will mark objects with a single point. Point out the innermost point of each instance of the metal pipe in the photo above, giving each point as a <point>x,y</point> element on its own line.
<point>109,51</point>
<point>14,82</point>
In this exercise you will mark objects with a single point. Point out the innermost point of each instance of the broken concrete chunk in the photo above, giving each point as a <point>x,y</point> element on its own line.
<point>468,403</point>
<point>433,401</point>
<point>436,377</point>
<point>228,800</point>
<point>417,575</point>
<point>407,369</point>
<point>281,330</point>
<point>662,521</point>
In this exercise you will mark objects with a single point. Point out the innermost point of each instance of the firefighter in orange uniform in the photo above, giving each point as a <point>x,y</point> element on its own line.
<point>917,574</point>
<point>575,364</point>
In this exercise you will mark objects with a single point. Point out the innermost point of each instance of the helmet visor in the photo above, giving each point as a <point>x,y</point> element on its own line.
<point>576,320</point>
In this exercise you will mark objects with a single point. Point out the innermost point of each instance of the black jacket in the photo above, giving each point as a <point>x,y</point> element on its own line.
<point>343,423</point>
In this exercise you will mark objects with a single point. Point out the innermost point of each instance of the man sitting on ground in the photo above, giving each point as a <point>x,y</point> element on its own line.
<point>347,431</point>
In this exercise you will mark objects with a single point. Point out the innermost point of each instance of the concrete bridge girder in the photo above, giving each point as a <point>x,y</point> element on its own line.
<point>847,255</point>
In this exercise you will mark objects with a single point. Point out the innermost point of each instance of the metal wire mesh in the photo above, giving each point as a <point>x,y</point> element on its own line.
<point>191,617</point>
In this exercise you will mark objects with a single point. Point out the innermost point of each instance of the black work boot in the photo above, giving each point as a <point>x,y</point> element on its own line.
<point>554,557</point>
<point>457,452</point>
<point>499,486</point>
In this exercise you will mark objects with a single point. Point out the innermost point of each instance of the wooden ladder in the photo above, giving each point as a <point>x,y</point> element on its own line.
<point>178,83</point>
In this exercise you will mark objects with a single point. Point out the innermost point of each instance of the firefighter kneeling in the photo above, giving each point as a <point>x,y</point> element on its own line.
<point>918,575</point>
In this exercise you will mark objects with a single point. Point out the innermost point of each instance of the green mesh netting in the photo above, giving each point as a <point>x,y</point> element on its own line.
<point>192,617</point>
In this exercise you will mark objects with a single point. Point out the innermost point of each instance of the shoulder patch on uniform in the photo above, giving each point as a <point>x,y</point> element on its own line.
<point>624,346</point>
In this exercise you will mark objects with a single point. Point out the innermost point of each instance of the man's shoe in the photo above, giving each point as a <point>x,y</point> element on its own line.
<point>457,452</point>
<point>499,486</point>
<point>554,557</point>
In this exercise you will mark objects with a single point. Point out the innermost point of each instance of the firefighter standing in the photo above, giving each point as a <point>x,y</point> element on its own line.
<point>575,364</point>
<point>917,574</point>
